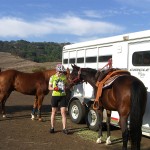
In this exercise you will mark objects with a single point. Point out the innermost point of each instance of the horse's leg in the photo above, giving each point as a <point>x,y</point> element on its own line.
<point>35,105</point>
<point>3,98</point>
<point>2,104</point>
<point>108,141</point>
<point>125,132</point>
<point>40,100</point>
<point>3,109</point>
<point>100,126</point>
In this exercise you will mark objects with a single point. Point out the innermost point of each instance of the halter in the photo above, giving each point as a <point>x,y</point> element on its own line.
<point>77,79</point>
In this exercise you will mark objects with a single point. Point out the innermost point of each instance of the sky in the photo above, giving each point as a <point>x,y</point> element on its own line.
<point>71,20</point>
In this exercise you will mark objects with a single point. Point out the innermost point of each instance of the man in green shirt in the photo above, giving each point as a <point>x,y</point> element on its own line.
<point>57,84</point>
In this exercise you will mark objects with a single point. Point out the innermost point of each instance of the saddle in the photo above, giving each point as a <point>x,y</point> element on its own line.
<point>106,78</point>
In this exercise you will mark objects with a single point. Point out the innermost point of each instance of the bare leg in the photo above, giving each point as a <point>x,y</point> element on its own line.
<point>64,119</point>
<point>53,113</point>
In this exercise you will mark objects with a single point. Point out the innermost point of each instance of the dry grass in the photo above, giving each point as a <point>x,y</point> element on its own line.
<point>8,61</point>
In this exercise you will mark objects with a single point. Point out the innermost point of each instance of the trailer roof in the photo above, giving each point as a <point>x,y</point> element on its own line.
<point>119,38</point>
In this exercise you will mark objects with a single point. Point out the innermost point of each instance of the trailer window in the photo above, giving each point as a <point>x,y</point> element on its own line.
<point>72,60</point>
<point>65,61</point>
<point>91,59</point>
<point>141,58</point>
<point>80,60</point>
<point>104,58</point>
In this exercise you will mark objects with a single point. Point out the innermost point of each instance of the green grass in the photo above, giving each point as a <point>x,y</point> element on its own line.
<point>88,134</point>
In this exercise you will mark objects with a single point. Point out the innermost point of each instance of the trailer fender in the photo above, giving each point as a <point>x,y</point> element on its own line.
<point>84,101</point>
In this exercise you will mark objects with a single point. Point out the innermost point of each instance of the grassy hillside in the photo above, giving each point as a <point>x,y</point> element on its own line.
<point>8,61</point>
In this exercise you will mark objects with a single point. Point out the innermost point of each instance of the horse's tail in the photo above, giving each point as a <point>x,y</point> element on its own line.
<point>138,104</point>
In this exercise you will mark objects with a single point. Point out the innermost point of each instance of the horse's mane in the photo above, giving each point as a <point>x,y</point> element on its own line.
<point>90,70</point>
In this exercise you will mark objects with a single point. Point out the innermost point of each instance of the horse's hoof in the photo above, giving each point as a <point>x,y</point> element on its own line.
<point>41,119</point>
<point>32,117</point>
<point>99,141</point>
<point>5,116</point>
<point>108,141</point>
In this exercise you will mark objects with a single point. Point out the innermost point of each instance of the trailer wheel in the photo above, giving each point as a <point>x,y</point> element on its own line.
<point>93,119</point>
<point>77,112</point>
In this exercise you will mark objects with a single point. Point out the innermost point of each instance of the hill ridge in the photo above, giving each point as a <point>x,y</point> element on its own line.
<point>9,61</point>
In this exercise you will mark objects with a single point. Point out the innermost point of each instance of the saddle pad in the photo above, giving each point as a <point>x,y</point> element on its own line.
<point>111,80</point>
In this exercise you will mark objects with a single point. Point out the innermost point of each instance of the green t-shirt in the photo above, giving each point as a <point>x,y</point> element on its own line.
<point>58,81</point>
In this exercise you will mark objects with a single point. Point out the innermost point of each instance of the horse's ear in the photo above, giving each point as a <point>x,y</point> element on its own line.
<point>73,66</point>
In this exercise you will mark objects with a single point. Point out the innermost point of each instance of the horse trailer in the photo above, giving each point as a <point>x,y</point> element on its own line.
<point>128,51</point>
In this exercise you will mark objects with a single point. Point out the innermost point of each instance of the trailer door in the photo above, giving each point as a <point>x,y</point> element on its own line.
<point>139,66</point>
<point>139,61</point>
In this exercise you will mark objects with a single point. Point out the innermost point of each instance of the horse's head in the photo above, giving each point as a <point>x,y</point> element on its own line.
<point>75,76</point>
<point>80,75</point>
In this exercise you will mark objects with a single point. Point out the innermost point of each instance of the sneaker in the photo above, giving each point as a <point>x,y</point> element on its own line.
<point>52,130</point>
<point>65,131</point>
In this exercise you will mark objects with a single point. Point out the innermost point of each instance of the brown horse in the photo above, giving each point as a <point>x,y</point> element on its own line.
<point>127,95</point>
<point>26,83</point>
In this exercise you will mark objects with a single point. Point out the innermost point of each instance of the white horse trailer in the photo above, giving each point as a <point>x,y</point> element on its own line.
<point>129,51</point>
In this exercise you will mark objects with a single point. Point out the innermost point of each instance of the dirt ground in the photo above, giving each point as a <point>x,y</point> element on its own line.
<point>19,132</point>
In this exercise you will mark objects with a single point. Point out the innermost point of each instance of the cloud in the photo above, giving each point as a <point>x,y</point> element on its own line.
<point>93,14</point>
<point>124,11</point>
<point>71,25</point>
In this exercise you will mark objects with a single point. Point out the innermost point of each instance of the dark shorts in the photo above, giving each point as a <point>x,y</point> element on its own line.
<point>59,100</point>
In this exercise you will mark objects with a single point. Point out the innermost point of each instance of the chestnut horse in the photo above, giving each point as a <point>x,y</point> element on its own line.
<point>26,83</point>
<point>127,95</point>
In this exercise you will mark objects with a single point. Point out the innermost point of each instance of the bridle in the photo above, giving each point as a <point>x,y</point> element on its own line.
<point>77,80</point>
